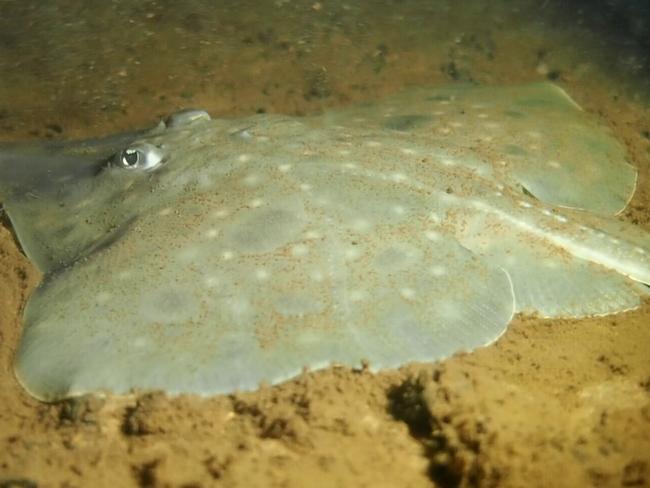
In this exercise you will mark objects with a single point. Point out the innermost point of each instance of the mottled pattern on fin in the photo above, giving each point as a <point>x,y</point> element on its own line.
<point>271,290</point>
<point>536,134</point>
<point>400,231</point>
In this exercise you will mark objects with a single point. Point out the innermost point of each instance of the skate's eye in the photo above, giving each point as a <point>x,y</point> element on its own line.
<point>143,157</point>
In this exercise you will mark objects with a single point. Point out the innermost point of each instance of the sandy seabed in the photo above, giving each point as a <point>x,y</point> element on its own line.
<point>552,403</point>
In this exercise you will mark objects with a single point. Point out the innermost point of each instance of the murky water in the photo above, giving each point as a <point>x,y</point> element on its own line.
<point>70,68</point>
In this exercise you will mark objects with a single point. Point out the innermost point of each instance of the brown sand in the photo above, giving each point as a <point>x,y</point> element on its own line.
<point>552,403</point>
